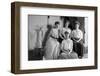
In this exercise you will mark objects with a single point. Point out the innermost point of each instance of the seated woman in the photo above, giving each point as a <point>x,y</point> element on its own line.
<point>77,36</point>
<point>67,48</point>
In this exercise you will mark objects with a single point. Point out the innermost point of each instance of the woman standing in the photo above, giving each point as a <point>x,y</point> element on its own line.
<point>62,31</point>
<point>77,36</point>
<point>52,45</point>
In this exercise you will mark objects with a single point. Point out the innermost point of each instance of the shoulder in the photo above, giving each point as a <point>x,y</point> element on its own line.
<point>63,29</point>
<point>63,41</point>
<point>69,30</point>
<point>54,29</point>
<point>70,40</point>
<point>80,31</point>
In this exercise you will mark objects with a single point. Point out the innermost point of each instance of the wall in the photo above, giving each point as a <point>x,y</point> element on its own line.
<point>35,22</point>
<point>5,38</point>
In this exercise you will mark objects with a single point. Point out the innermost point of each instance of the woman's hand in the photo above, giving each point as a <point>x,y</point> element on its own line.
<point>67,51</point>
<point>76,39</point>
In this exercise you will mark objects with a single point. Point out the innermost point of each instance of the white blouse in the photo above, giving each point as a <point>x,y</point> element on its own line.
<point>67,45</point>
<point>78,34</point>
<point>63,30</point>
<point>54,32</point>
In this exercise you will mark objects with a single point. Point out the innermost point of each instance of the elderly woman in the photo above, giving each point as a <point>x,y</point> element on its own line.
<point>52,45</point>
<point>77,36</point>
<point>67,48</point>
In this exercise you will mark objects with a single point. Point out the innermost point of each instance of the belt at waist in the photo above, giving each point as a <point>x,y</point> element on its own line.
<point>53,37</point>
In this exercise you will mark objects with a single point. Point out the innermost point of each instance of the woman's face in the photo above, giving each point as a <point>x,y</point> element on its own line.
<point>67,35</point>
<point>57,25</point>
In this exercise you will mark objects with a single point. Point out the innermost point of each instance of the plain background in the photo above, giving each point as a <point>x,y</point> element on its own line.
<point>5,38</point>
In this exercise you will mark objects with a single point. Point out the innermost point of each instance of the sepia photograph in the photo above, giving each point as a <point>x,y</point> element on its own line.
<point>57,37</point>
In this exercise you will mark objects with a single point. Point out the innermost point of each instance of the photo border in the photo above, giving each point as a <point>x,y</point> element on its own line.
<point>15,36</point>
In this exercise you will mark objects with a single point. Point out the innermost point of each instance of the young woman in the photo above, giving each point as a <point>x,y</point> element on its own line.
<point>52,45</point>
<point>67,48</point>
<point>62,31</point>
<point>77,36</point>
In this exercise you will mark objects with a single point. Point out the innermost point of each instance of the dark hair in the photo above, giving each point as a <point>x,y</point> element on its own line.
<point>77,22</point>
<point>57,22</point>
<point>66,32</point>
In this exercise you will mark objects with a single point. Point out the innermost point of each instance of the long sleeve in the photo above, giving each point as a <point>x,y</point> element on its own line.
<point>71,46</point>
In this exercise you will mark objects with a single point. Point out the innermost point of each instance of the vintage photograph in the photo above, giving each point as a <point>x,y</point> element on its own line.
<point>51,37</point>
<point>57,37</point>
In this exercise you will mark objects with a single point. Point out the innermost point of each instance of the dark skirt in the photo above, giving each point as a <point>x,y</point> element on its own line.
<point>59,40</point>
<point>78,48</point>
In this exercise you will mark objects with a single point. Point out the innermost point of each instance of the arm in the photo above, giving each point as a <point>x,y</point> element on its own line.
<point>50,33</point>
<point>80,36</point>
<point>71,47</point>
<point>62,46</point>
<point>60,34</point>
<point>72,36</point>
